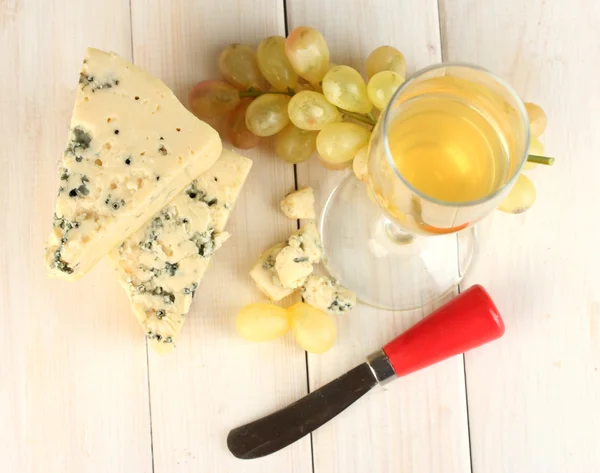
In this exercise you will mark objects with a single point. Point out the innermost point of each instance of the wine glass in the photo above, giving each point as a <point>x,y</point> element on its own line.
<point>445,152</point>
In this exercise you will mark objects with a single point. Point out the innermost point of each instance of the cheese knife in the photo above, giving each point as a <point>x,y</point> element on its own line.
<point>467,321</point>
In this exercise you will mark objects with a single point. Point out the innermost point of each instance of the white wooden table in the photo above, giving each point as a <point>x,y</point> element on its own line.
<point>79,391</point>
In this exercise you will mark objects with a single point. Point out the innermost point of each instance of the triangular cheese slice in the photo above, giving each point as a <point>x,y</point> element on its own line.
<point>161,265</point>
<point>132,148</point>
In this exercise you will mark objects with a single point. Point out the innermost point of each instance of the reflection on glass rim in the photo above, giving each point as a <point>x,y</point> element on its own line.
<point>520,109</point>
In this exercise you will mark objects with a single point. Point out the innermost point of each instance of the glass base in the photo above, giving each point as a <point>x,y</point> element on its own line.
<point>385,267</point>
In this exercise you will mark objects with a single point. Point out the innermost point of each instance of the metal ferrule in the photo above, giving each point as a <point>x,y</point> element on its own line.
<point>381,367</point>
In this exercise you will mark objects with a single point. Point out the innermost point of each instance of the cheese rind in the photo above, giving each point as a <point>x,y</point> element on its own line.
<point>326,294</point>
<point>264,275</point>
<point>132,148</point>
<point>299,204</point>
<point>161,265</point>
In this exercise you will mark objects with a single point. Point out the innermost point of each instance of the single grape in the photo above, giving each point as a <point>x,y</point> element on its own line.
<point>535,147</point>
<point>382,87</point>
<point>237,132</point>
<point>520,198</point>
<point>314,330</point>
<point>260,322</point>
<point>344,87</point>
<point>274,64</point>
<point>537,119</point>
<point>295,145</point>
<point>386,58</point>
<point>310,110</point>
<point>360,164</point>
<point>239,67</point>
<point>267,114</point>
<point>212,98</point>
<point>308,53</point>
<point>338,143</point>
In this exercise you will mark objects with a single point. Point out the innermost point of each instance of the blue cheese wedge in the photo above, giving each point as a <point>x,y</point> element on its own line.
<point>132,148</point>
<point>161,265</point>
<point>326,294</point>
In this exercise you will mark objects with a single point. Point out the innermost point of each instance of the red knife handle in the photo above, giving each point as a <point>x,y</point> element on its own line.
<point>467,321</point>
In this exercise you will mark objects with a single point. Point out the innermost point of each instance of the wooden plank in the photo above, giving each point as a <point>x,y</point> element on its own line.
<point>73,385</point>
<point>533,396</point>
<point>214,381</point>
<point>418,423</point>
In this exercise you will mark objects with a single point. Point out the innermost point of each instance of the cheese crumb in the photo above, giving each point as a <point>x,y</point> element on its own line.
<point>299,204</point>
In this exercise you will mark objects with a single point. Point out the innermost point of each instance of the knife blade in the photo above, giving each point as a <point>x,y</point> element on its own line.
<point>467,321</point>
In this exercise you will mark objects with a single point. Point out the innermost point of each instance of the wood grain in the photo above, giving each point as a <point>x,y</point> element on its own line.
<point>214,381</point>
<point>73,386</point>
<point>534,395</point>
<point>418,423</point>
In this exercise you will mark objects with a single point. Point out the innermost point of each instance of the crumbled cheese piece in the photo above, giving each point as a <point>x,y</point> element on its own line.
<point>326,294</point>
<point>299,204</point>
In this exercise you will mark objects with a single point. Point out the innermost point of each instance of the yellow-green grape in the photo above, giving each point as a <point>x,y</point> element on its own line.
<point>295,145</point>
<point>535,147</point>
<point>360,164</point>
<point>314,330</point>
<point>237,132</point>
<point>386,58</point>
<point>274,64</point>
<point>212,98</point>
<point>238,65</point>
<point>520,198</point>
<point>344,87</point>
<point>308,53</point>
<point>267,114</point>
<point>338,143</point>
<point>310,110</point>
<point>537,118</point>
<point>382,87</point>
<point>260,322</point>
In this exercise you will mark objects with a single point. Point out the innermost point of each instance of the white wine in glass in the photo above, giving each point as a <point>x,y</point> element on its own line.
<point>444,153</point>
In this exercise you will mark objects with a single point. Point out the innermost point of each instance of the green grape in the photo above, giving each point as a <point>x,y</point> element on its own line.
<point>261,322</point>
<point>520,198</point>
<point>535,147</point>
<point>360,164</point>
<point>386,58</point>
<point>310,110</point>
<point>237,131</point>
<point>314,329</point>
<point>382,87</point>
<point>338,143</point>
<point>212,98</point>
<point>238,65</point>
<point>267,114</point>
<point>537,119</point>
<point>344,87</point>
<point>308,53</point>
<point>274,64</point>
<point>295,145</point>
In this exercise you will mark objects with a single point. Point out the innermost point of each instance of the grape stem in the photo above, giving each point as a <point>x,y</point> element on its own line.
<point>368,118</point>
<point>533,158</point>
<point>252,92</point>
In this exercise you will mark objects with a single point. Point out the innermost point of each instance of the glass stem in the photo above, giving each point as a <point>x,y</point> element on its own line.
<point>396,234</point>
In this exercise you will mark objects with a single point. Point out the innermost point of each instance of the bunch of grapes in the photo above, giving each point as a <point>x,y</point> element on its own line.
<point>289,90</point>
